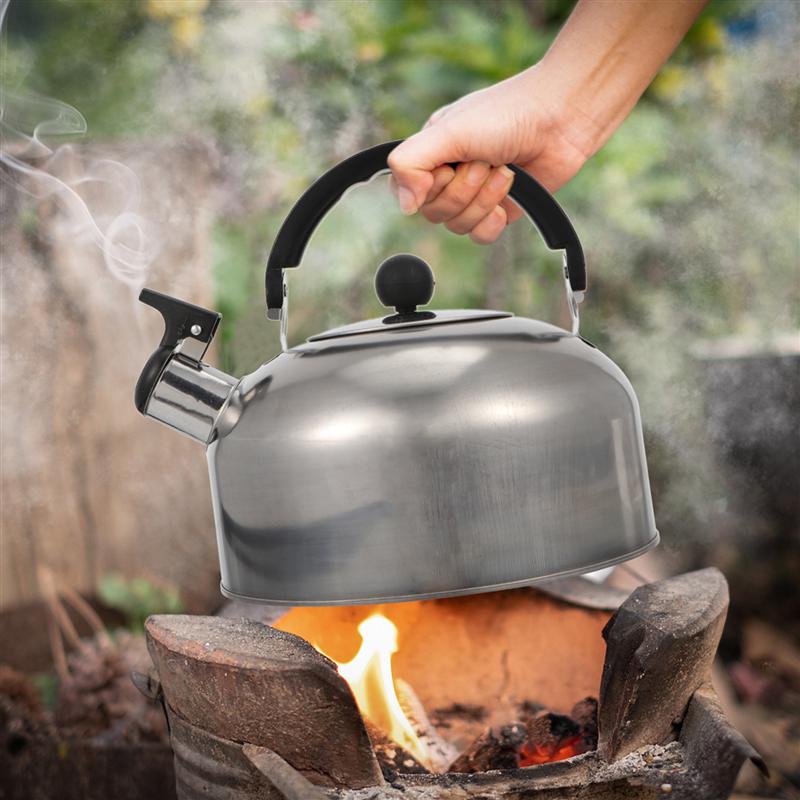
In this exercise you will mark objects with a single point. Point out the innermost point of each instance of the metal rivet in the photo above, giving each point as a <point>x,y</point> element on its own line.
<point>196,330</point>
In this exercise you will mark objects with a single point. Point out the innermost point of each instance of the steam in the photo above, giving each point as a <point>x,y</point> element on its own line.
<point>99,199</point>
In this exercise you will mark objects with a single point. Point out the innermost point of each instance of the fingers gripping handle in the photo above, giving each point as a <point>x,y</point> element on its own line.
<point>293,236</point>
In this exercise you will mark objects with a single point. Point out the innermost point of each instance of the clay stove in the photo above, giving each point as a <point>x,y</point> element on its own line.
<point>498,691</point>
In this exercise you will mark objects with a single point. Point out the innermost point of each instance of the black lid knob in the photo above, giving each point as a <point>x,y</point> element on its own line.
<point>405,282</point>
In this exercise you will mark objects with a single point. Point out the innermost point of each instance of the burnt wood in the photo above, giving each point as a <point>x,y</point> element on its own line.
<point>660,647</point>
<point>393,759</point>
<point>247,682</point>
<point>493,749</point>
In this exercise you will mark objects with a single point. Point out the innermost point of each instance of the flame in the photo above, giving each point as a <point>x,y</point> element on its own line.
<point>370,677</point>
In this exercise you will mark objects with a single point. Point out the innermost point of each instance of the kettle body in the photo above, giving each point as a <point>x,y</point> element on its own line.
<point>425,454</point>
<point>436,460</point>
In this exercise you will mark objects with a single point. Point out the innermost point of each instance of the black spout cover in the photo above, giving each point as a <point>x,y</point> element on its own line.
<point>181,320</point>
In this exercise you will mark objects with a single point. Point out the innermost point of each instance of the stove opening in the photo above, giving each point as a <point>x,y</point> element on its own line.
<point>492,681</point>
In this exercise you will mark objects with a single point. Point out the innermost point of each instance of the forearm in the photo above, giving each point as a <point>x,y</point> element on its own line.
<point>548,119</point>
<point>604,58</point>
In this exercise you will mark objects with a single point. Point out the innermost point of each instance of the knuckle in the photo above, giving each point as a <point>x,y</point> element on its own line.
<point>461,194</point>
<point>484,235</point>
<point>488,198</point>
<point>395,159</point>
<point>513,213</point>
<point>457,226</point>
<point>440,180</point>
<point>445,173</point>
<point>489,228</point>
<point>432,214</point>
<point>458,191</point>
<point>443,208</point>
<point>480,238</point>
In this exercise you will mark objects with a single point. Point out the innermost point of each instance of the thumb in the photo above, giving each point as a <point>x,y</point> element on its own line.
<point>413,162</point>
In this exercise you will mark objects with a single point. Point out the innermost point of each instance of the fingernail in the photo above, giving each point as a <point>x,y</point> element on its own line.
<point>501,177</point>
<point>408,203</point>
<point>476,173</point>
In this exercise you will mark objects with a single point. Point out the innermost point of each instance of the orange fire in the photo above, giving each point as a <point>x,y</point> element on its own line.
<point>370,677</point>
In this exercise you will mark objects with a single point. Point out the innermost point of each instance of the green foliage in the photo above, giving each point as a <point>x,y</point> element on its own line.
<point>689,214</point>
<point>47,685</point>
<point>231,260</point>
<point>98,56</point>
<point>138,598</point>
<point>690,219</point>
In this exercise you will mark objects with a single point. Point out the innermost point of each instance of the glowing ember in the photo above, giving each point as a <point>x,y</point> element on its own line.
<point>536,754</point>
<point>370,677</point>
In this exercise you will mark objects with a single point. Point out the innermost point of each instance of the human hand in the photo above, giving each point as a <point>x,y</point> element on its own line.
<point>549,119</point>
<point>517,121</point>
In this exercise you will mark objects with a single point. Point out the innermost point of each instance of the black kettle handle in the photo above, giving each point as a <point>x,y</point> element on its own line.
<point>290,243</point>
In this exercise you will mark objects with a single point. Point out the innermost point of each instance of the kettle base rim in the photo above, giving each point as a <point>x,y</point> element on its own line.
<point>496,587</point>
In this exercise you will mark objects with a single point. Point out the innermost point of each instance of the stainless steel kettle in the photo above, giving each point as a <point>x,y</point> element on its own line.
<point>425,454</point>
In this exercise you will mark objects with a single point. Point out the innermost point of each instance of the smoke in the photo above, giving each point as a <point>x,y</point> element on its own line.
<point>99,199</point>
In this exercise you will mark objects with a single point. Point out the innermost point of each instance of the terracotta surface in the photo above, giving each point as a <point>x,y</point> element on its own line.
<point>494,650</point>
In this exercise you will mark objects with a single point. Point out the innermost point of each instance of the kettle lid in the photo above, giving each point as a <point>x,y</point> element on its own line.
<point>405,281</point>
<point>416,319</point>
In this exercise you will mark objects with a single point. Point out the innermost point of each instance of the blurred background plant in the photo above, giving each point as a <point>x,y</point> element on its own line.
<point>137,598</point>
<point>689,215</point>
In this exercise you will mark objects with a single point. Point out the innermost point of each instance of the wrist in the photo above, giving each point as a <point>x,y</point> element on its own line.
<point>571,112</point>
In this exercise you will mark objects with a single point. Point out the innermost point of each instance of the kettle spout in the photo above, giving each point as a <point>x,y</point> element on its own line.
<point>175,386</point>
<point>190,397</point>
